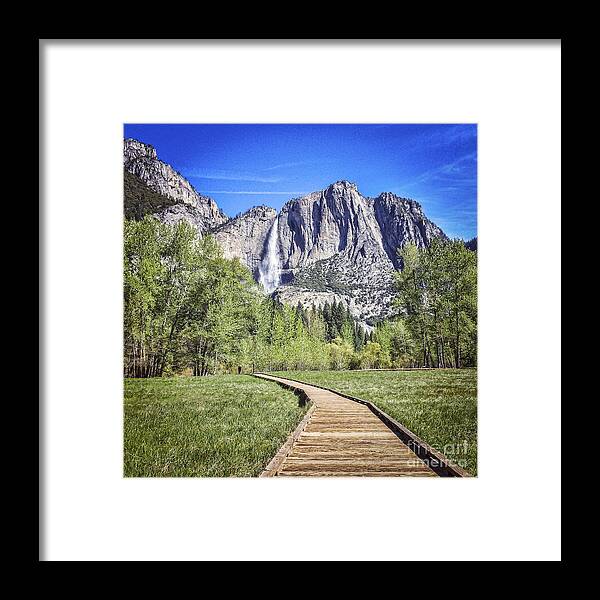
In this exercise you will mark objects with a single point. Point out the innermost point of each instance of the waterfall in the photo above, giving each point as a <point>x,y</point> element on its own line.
<point>269,268</point>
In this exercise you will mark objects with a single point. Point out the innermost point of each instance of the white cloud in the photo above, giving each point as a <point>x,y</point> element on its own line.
<point>253,193</point>
<point>288,164</point>
<point>229,176</point>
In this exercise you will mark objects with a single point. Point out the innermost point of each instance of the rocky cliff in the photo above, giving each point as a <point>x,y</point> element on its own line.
<point>400,221</point>
<point>333,244</point>
<point>244,236</point>
<point>201,211</point>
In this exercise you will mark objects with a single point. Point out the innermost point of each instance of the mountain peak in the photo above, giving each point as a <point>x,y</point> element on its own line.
<point>261,210</point>
<point>343,184</point>
<point>134,149</point>
<point>391,197</point>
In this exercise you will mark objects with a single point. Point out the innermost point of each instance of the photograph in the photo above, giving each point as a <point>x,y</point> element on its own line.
<point>300,300</point>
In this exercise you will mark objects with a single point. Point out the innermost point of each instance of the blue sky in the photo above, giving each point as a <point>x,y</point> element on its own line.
<point>241,166</point>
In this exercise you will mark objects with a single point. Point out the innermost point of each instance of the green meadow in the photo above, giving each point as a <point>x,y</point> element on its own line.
<point>215,426</point>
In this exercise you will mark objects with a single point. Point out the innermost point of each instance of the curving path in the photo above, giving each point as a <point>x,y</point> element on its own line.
<point>340,437</point>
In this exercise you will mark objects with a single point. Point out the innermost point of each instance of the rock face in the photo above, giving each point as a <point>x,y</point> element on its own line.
<point>322,224</point>
<point>245,236</point>
<point>200,211</point>
<point>400,221</point>
<point>334,244</point>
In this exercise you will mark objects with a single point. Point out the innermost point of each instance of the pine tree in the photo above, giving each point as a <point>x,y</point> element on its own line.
<point>326,311</point>
<point>338,317</point>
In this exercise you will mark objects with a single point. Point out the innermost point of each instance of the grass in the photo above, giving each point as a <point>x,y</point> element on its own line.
<point>217,426</point>
<point>439,406</point>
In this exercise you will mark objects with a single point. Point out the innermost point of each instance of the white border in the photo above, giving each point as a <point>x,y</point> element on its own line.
<point>512,511</point>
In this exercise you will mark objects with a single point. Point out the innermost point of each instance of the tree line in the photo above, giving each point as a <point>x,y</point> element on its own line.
<point>187,309</point>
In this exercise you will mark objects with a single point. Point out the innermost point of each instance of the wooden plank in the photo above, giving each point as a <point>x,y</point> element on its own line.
<point>321,473</point>
<point>353,464</point>
<point>326,452</point>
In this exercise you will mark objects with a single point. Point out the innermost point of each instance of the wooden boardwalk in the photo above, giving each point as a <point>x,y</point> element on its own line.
<point>341,437</point>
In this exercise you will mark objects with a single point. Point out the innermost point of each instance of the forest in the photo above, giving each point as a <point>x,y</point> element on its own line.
<point>188,310</point>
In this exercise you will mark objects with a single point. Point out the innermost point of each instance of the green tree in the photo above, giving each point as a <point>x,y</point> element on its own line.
<point>158,270</point>
<point>185,305</point>
<point>373,356</point>
<point>437,297</point>
<point>341,353</point>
